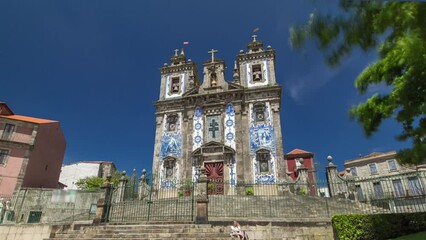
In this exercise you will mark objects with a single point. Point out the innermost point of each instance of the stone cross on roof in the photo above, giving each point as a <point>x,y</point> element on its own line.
<point>176,52</point>
<point>254,37</point>
<point>212,52</point>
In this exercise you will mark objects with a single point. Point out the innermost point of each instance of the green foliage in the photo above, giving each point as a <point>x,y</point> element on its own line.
<point>397,31</point>
<point>94,182</point>
<point>303,191</point>
<point>186,185</point>
<point>249,191</point>
<point>90,183</point>
<point>378,226</point>
<point>416,236</point>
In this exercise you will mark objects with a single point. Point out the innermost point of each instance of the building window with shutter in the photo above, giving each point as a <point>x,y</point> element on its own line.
<point>373,168</point>
<point>3,156</point>
<point>392,165</point>
<point>7,132</point>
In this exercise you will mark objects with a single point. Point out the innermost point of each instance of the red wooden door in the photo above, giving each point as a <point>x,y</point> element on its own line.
<point>214,172</point>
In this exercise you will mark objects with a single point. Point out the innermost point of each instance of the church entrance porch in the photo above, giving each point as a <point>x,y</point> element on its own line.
<point>214,172</point>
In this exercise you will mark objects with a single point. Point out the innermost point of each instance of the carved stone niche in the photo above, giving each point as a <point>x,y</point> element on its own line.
<point>171,122</point>
<point>259,112</point>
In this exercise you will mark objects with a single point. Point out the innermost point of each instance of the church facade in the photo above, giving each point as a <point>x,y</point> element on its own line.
<point>232,128</point>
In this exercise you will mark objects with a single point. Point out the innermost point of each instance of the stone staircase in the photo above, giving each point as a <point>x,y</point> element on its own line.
<point>159,231</point>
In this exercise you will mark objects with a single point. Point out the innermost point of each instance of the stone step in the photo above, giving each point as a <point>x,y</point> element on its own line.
<point>150,238</point>
<point>145,231</point>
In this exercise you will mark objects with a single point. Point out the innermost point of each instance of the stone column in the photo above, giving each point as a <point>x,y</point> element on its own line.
<point>143,186</point>
<point>103,203</point>
<point>121,189</point>
<point>332,176</point>
<point>202,198</point>
<point>303,180</point>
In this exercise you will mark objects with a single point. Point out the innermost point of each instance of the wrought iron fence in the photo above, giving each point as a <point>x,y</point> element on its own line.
<point>170,200</point>
<point>292,200</point>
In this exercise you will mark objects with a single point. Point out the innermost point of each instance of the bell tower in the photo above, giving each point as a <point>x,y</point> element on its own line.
<point>178,77</point>
<point>214,75</point>
<point>257,66</point>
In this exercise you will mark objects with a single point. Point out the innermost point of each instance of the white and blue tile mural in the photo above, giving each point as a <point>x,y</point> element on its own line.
<point>229,138</point>
<point>233,172</point>
<point>229,126</point>
<point>197,140</point>
<point>171,146</point>
<point>198,128</point>
<point>262,136</point>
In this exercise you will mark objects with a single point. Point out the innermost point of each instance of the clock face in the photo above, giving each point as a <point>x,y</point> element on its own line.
<point>172,126</point>
<point>260,116</point>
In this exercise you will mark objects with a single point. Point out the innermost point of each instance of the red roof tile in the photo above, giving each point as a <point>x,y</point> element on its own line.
<point>28,119</point>
<point>298,151</point>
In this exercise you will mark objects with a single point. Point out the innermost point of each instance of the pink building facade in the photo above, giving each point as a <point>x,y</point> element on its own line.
<point>31,152</point>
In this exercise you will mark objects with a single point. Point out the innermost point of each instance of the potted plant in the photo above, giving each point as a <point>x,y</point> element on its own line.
<point>186,188</point>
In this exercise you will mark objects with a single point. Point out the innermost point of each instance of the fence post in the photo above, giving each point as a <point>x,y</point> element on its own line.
<point>104,203</point>
<point>202,198</point>
<point>121,189</point>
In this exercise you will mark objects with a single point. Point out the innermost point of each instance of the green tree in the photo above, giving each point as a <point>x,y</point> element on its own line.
<point>95,182</point>
<point>397,30</point>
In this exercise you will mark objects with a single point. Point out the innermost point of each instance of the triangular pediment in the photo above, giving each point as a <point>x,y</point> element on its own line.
<point>213,148</point>
<point>233,86</point>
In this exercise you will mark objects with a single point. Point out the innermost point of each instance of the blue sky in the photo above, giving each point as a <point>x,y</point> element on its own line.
<point>94,66</point>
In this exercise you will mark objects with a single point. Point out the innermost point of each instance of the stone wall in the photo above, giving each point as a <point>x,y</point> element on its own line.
<point>55,205</point>
<point>25,232</point>
<point>271,230</point>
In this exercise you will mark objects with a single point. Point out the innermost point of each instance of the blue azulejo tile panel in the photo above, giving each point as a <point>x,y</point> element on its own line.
<point>168,183</point>
<point>229,126</point>
<point>171,145</point>
<point>198,126</point>
<point>262,136</point>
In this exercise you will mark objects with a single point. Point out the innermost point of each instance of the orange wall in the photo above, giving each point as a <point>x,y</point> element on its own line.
<point>45,161</point>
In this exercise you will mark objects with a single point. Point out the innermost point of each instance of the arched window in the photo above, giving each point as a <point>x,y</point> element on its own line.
<point>263,158</point>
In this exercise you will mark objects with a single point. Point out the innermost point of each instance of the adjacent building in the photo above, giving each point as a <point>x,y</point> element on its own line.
<point>298,160</point>
<point>377,176</point>
<point>31,151</point>
<point>71,173</point>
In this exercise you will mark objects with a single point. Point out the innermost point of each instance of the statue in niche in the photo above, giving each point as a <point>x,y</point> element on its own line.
<point>213,80</point>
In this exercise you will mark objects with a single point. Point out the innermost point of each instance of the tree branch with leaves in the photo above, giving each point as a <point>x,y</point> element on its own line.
<point>397,30</point>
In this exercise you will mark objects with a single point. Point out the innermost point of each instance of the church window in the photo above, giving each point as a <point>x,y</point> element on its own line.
<point>169,167</point>
<point>175,85</point>
<point>171,122</point>
<point>3,155</point>
<point>259,113</point>
<point>257,72</point>
<point>263,158</point>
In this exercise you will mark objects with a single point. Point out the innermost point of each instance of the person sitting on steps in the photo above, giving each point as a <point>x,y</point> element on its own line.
<point>237,233</point>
